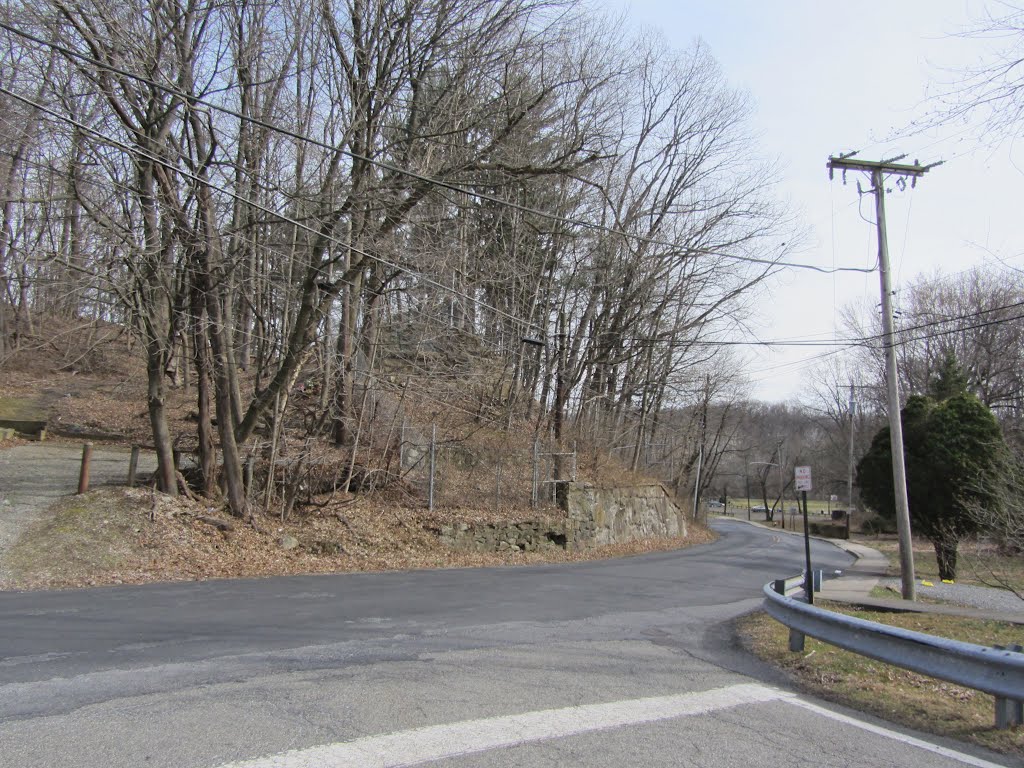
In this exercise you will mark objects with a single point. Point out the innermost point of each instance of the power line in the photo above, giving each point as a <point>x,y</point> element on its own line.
<point>265,209</point>
<point>847,342</point>
<point>194,99</point>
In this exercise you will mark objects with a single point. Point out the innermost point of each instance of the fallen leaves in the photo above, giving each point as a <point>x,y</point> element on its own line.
<point>150,537</point>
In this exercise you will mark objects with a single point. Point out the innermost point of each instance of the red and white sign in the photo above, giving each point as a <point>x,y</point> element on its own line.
<point>803,478</point>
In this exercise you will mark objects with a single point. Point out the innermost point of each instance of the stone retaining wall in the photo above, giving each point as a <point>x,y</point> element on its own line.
<point>613,515</point>
<point>595,516</point>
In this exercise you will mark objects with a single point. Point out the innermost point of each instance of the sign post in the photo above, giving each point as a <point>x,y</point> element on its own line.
<point>803,484</point>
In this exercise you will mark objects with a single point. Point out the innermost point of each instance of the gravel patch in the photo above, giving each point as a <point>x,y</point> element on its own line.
<point>968,595</point>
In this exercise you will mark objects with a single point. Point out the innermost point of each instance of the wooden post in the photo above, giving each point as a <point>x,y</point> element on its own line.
<point>83,474</point>
<point>133,465</point>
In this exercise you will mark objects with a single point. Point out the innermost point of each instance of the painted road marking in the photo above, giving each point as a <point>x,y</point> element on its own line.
<point>439,742</point>
<point>895,735</point>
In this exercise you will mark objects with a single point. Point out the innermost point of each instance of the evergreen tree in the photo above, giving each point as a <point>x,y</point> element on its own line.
<point>952,446</point>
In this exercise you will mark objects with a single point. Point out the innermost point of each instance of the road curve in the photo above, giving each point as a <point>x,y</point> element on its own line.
<point>613,663</point>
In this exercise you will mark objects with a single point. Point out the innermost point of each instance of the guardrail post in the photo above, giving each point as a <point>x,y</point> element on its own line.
<point>1009,712</point>
<point>796,639</point>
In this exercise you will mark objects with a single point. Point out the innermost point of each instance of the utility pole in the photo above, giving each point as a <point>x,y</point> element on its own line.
<point>879,169</point>
<point>696,485</point>
<point>849,472</point>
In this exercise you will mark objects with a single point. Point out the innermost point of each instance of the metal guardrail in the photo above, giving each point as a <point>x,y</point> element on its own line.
<point>997,671</point>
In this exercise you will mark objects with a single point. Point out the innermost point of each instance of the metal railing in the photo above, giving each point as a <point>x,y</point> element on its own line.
<point>997,671</point>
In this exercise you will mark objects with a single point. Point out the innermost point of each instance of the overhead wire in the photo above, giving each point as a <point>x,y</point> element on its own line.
<point>437,182</point>
<point>300,225</point>
<point>265,209</point>
<point>194,99</point>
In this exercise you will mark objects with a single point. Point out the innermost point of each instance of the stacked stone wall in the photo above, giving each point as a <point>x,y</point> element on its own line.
<point>595,516</point>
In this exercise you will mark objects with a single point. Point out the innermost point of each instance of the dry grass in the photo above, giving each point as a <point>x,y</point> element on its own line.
<point>979,562</point>
<point>133,536</point>
<point>889,692</point>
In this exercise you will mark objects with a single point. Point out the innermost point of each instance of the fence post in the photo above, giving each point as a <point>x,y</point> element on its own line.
<point>433,453</point>
<point>133,465</point>
<point>83,472</point>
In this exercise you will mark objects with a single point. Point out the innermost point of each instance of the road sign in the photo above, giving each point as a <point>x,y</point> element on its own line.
<point>803,478</point>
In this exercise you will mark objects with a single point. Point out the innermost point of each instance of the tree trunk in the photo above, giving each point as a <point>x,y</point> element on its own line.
<point>945,556</point>
<point>204,428</point>
<point>347,350</point>
<point>156,326</point>
<point>166,482</point>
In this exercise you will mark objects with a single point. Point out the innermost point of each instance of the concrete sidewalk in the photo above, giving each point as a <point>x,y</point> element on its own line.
<point>857,581</point>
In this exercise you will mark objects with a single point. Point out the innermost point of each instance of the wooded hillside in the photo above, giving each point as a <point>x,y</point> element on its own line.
<point>307,212</point>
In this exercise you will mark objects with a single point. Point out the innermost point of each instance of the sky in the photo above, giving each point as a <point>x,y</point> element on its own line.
<point>829,77</point>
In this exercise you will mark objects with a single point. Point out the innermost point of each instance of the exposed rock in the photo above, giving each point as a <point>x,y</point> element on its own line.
<point>596,516</point>
<point>289,542</point>
<point>325,547</point>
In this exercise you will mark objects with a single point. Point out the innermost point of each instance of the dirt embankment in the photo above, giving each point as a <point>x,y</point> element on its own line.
<point>50,538</point>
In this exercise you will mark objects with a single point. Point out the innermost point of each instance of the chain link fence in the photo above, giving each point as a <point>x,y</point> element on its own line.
<point>449,473</point>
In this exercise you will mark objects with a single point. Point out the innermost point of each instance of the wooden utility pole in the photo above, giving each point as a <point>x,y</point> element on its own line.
<point>849,471</point>
<point>879,169</point>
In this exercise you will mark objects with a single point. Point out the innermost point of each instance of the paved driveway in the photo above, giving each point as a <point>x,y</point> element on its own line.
<point>34,476</point>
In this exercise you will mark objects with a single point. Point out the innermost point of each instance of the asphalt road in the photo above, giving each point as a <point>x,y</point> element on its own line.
<point>615,663</point>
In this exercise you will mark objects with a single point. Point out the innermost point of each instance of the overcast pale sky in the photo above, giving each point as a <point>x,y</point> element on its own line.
<point>828,77</point>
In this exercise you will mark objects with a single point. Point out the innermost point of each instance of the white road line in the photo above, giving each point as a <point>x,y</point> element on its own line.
<point>895,735</point>
<point>437,742</point>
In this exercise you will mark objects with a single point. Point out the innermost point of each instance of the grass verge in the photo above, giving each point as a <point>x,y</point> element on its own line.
<point>892,693</point>
<point>979,562</point>
<point>82,541</point>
